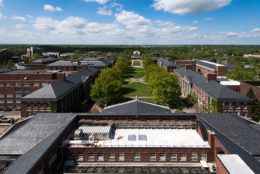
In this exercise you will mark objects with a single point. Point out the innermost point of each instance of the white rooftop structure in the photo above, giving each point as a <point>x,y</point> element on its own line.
<point>216,64</point>
<point>227,82</point>
<point>95,129</point>
<point>155,138</point>
<point>234,164</point>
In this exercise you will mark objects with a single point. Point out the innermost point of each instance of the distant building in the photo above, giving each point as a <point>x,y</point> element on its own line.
<point>205,67</point>
<point>252,55</point>
<point>185,62</point>
<point>165,63</point>
<point>15,84</point>
<point>136,55</point>
<point>33,50</point>
<point>63,95</point>
<point>212,96</point>
<point>97,62</point>
<point>147,140</point>
<point>51,54</point>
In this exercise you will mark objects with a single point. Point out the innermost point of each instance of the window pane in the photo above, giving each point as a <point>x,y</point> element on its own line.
<point>153,156</point>
<point>183,156</point>
<point>173,156</point>
<point>162,157</point>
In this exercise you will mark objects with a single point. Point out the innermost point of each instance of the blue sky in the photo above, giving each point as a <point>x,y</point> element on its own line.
<point>149,22</point>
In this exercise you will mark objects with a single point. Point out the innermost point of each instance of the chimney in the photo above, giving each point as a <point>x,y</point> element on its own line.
<point>84,66</point>
<point>60,76</point>
<point>211,76</point>
<point>188,66</point>
<point>221,70</point>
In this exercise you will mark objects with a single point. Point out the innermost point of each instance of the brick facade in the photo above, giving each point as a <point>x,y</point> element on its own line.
<point>245,87</point>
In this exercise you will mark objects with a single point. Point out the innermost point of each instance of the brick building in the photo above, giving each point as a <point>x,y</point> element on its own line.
<point>185,62</point>
<point>136,142</point>
<point>41,64</point>
<point>32,51</point>
<point>205,67</point>
<point>97,62</point>
<point>245,86</point>
<point>15,84</point>
<point>165,63</point>
<point>212,96</point>
<point>64,95</point>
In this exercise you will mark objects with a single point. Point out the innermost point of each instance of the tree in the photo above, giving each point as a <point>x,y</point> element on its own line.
<point>165,88</point>
<point>107,88</point>
<point>241,74</point>
<point>10,63</point>
<point>147,62</point>
<point>255,105</point>
<point>151,69</point>
<point>124,65</point>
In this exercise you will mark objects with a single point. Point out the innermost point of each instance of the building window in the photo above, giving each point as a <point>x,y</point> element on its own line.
<point>18,84</point>
<point>45,84</point>
<point>183,157</point>
<point>194,157</point>
<point>18,107</point>
<point>18,95</point>
<point>204,156</point>
<point>121,156</point>
<point>162,157</point>
<point>2,101</point>
<point>112,156</point>
<point>10,101</point>
<point>36,84</point>
<point>9,95</point>
<point>9,85</point>
<point>1,85</point>
<point>152,156</point>
<point>137,156</point>
<point>79,157</point>
<point>173,156</point>
<point>18,90</point>
<point>100,157</point>
<point>18,101</point>
<point>91,157</point>
<point>26,85</point>
<point>2,95</point>
<point>27,90</point>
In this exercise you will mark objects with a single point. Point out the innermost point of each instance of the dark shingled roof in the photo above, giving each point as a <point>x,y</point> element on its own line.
<point>30,134</point>
<point>236,136</point>
<point>58,88</point>
<point>136,107</point>
<point>213,88</point>
<point>61,63</point>
<point>25,163</point>
<point>166,62</point>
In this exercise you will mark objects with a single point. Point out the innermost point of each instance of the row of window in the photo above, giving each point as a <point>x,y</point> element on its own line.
<point>20,84</point>
<point>10,101</point>
<point>137,156</point>
<point>11,95</point>
<point>10,107</point>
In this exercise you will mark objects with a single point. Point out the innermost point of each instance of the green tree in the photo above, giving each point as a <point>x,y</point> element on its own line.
<point>241,74</point>
<point>107,88</point>
<point>124,65</point>
<point>151,69</point>
<point>165,88</point>
<point>147,62</point>
<point>10,63</point>
<point>255,105</point>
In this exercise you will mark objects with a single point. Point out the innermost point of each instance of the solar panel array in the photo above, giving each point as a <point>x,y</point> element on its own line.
<point>142,137</point>
<point>131,137</point>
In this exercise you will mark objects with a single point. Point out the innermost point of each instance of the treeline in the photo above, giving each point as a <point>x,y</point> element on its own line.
<point>108,87</point>
<point>164,86</point>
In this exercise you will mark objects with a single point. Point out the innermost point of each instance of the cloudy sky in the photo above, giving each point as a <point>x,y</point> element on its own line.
<point>130,22</point>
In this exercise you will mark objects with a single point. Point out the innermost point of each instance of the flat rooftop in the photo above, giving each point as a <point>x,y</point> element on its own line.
<point>155,138</point>
<point>29,72</point>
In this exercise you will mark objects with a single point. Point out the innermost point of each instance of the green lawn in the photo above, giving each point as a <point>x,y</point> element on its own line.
<point>137,63</point>
<point>137,73</point>
<point>137,89</point>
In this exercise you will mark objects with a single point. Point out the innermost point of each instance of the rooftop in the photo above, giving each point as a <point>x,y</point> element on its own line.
<point>234,164</point>
<point>61,63</point>
<point>212,87</point>
<point>208,64</point>
<point>155,138</point>
<point>136,107</point>
<point>45,60</point>
<point>28,72</point>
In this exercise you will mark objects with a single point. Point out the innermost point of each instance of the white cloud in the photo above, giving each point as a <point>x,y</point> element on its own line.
<point>1,3</point>
<point>19,26</point>
<point>131,19</point>
<point>19,18</point>
<point>2,16</point>
<point>209,19</point>
<point>256,30</point>
<point>29,16</point>
<point>49,7</point>
<point>183,7</point>
<point>104,11</point>
<point>195,22</point>
<point>98,1</point>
